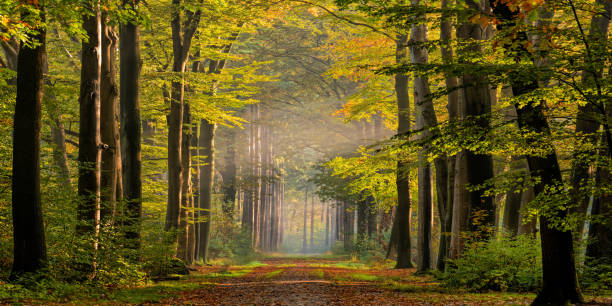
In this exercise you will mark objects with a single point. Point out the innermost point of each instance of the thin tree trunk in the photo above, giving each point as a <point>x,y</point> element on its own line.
<point>60,155</point>
<point>130,129</point>
<point>186,198</point>
<point>29,246</point>
<point>349,229</point>
<point>304,245</point>
<point>362,219</point>
<point>327,218</point>
<point>193,227</point>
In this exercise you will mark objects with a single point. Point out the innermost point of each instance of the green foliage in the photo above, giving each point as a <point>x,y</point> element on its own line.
<point>596,276</point>
<point>367,250</point>
<point>505,264</point>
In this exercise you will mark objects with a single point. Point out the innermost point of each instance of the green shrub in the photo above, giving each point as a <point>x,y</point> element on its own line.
<point>506,264</point>
<point>596,276</point>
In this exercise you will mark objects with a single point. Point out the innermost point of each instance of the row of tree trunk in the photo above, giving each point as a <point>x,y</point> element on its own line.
<point>109,170</point>
<point>263,185</point>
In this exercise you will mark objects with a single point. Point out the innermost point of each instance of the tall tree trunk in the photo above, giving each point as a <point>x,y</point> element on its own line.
<point>88,208</point>
<point>186,196</point>
<point>446,212</point>
<point>426,121</point>
<point>181,42</point>
<point>206,144</point>
<point>304,245</point>
<point>461,211</point>
<point>587,122</point>
<point>312,221</point>
<point>327,219</point>
<point>372,216</point>
<point>599,249</point>
<point>362,219</point>
<point>229,177</point>
<point>560,282</point>
<point>130,129</point>
<point>512,206</point>
<point>475,108</point>
<point>348,227</point>
<point>193,228</point>
<point>29,246</point>
<point>526,226</point>
<point>109,127</point>
<point>60,155</point>
<point>403,171</point>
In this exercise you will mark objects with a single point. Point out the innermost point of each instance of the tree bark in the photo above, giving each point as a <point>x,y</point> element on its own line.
<point>186,196</point>
<point>477,211</point>
<point>130,129</point>
<point>560,282</point>
<point>348,227</point>
<point>587,122</point>
<point>88,209</point>
<point>181,42</point>
<point>29,246</point>
<point>426,122</point>
<point>446,212</point>
<point>206,144</point>
<point>304,245</point>
<point>403,171</point>
<point>109,127</point>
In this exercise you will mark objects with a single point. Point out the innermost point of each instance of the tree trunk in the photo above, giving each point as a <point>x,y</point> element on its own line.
<point>427,122</point>
<point>587,122</point>
<point>206,144</point>
<point>510,223</point>
<point>349,230</point>
<point>526,226</point>
<point>130,129</point>
<point>327,218</point>
<point>362,219</point>
<point>193,228</point>
<point>88,208</point>
<point>473,211</point>
<point>403,171</point>
<point>60,155</point>
<point>29,247</point>
<point>446,212</point>
<point>229,177</point>
<point>560,282</point>
<point>109,127</point>
<point>304,245</point>
<point>181,42</point>
<point>186,196</point>
<point>461,211</point>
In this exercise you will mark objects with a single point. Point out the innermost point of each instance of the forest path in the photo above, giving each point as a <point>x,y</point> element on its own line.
<point>321,281</point>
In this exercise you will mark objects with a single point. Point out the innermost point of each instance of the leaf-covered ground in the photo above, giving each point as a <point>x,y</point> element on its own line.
<point>300,281</point>
<point>319,281</point>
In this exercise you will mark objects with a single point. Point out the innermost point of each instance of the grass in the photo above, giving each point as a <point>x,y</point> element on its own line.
<point>224,274</point>
<point>273,273</point>
<point>152,293</point>
<point>287,265</point>
<point>318,273</point>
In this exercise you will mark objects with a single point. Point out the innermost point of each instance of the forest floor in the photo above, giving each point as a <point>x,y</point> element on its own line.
<point>309,281</point>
